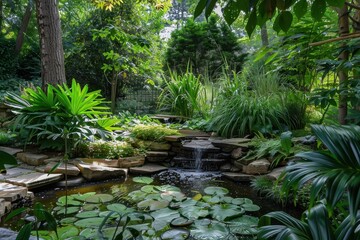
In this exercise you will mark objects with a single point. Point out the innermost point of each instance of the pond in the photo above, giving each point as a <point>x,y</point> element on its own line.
<point>208,189</point>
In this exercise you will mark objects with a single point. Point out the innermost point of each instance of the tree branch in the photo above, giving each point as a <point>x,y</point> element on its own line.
<point>352,5</point>
<point>349,36</point>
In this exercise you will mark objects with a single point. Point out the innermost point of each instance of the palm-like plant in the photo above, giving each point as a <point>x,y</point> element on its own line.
<point>334,174</point>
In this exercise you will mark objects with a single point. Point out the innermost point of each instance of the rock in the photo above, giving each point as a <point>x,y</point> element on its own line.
<point>275,173</point>
<point>232,143</point>
<point>12,193</point>
<point>174,138</point>
<point>14,172</point>
<point>155,146</point>
<point>31,158</point>
<point>156,154</point>
<point>11,151</point>
<point>54,159</point>
<point>148,169</point>
<point>237,153</point>
<point>226,167</point>
<point>245,161</point>
<point>194,133</point>
<point>157,159</point>
<point>97,172</point>
<point>128,162</point>
<point>238,177</point>
<point>238,165</point>
<point>257,167</point>
<point>35,180</point>
<point>100,162</point>
<point>6,234</point>
<point>70,170</point>
<point>235,169</point>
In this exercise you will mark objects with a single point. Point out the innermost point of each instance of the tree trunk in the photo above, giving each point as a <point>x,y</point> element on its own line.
<point>23,27</point>
<point>344,29</point>
<point>264,36</point>
<point>113,92</point>
<point>52,52</point>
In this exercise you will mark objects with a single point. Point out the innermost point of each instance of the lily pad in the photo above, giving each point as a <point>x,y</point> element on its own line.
<point>166,188</point>
<point>175,234</point>
<point>137,195</point>
<point>250,207</point>
<point>181,222</point>
<point>216,191</point>
<point>144,180</point>
<point>188,202</point>
<point>165,214</point>
<point>226,211</point>
<point>109,214</point>
<point>120,208</point>
<point>89,222</point>
<point>90,207</point>
<point>69,210</point>
<point>87,214</point>
<point>67,232</point>
<point>211,199</point>
<point>244,225</point>
<point>99,198</point>
<point>68,220</point>
<point>149,189</point>
<point>89,233</point>
<point>194,212</point>
<point>70,201</point>
<point>153,204</point>
<point>82,197</point>
<point>173,195</point>
<point>210,231</point>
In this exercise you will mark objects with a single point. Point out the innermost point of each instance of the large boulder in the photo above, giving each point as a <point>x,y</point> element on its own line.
<point>97,172</point>
<point>257,167</point>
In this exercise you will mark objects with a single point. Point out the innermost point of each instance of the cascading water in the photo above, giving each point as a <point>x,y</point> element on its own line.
<point>198,152</point>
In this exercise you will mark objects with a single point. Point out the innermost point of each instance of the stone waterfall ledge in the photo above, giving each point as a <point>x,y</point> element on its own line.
<point>35,179</point>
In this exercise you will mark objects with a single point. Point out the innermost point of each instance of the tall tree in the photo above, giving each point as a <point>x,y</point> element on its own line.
<point>52,52</point>
<point>24,26</point>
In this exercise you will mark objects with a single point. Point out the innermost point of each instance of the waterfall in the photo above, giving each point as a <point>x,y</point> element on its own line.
<point>198,152</point>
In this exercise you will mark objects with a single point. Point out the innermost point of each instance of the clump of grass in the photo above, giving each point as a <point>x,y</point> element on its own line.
<point>155,133</point>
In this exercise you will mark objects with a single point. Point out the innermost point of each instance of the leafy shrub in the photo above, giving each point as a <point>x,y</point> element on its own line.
<point>6,138</point>
<point>183,94</point>
<point>152,132</point>
<point>109,149</point>
<point>61,113</point>
<point>128,120</point>
<point>8,60</point>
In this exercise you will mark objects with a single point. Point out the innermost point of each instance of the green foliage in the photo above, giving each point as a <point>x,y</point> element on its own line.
<point>61,113</point>
<point>205,47</point>
<point>152,132</point>
<point>334,175</point>
<point>6,159</point>
<point>261,11</point>
<point>8,63</point>
<point>108,149</point>
<point>256,101</point>
<point>128,120</point>
<point>6,138</point>
<point>41,215</point>
<point>183,94</point>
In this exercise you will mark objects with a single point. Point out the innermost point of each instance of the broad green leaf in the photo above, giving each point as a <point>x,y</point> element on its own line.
<point>285,20</point>
<point>300,8</point>
<point>181,222</point>
<point>199,8</point>
<point>216,191</point>
<point>336,3</point>
<point>251,22</point>
<point>224,212</point>
<point>87,214</point>
<point>318,9</point>
<point>67,232</point>
<point>210,230</point>
<point>6,159</point>
<point>276,24</point>
<point>68,210</point>
<point>250,207</point>
<point>145,180</point>
<point>82,197</point>
<point>175,234</point>
<point>209,7</point>
<point>232,10</point>
<point>99,198</point>
<point>14,213</point>
<point>68,220</point>
<point>89,222</point>
<point>25,231</point>
<point>194,212</point>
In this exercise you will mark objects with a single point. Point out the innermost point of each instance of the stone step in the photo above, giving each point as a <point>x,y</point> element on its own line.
<point>238,177</point>
<point>11,192</point>
<point>148,168</point>
<point>14,172</point>
<point>35,179</point>
<point>201,146</point>
<point>32,158</point>
<point>70,169</point>
<point>232,143</point>
<point>97,172</point>
<point>11,151</point>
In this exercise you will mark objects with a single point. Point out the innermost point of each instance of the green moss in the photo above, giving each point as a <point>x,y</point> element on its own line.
<point>109,149</point>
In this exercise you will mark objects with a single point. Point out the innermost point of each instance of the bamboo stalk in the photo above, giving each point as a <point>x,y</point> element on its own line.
<point>349,36</point>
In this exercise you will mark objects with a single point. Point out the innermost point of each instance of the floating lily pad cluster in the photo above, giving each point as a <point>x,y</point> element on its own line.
<point>155,212</point>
